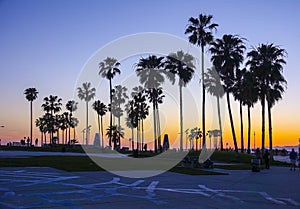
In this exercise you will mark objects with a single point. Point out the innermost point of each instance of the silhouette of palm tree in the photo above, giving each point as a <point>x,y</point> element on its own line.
<point>52,105</point>
<point>266,62</point>
<point>73,124</point>
<point>119,98</point>
<point>31,95</point>
<point>181,64</point>
<point>131,119</point>
<point>200,34</point>
<point>101,110</point>
<point>141,111</point>
<point>117,134</point>
<point>86,93</point>
<point>249,96</point>
<point>237,93</point>
<point>108,69</point>
<point>40,123</point>
<point>227,55</point>
<point>71,106</point>
<point>215,88</point>
<point>151,73</point>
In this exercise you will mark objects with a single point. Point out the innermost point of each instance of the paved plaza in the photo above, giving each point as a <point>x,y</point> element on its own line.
<point>34,187</point>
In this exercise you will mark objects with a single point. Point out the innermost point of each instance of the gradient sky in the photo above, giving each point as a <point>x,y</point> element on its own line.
<point>45,44</point>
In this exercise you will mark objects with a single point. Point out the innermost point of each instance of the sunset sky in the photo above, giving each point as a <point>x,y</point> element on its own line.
<point>46,44</point>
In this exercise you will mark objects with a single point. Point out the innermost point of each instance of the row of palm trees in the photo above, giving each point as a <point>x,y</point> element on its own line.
<point>263,80</point>
<point>257,78</point>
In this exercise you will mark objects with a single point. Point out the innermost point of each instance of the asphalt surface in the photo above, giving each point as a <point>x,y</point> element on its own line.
<point>51,188</point>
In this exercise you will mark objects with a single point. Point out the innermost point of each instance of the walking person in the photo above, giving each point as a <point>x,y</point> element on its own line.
<point>267,159</point>
<point>293,158</point>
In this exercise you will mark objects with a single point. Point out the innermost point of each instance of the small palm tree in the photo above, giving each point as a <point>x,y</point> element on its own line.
<point>73,124</point>
<point>117,134</point>
<point>86,93</point>
<point>181,65</point>
<point>71,106</point>
<point>227,56</point>
<point>131,119</point>
<point>215,88</point>
<point>200,34</point>
<point>52,105</point>
<point>108,69</point>
<point>101,110</point>
<point>31,95</point>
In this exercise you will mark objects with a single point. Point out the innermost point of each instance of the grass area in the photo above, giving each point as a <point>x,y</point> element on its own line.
<point>79,163</point>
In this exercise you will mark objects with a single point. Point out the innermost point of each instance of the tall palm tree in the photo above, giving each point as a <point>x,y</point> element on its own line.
<point>249,94</point>
<point>108,69</point>
<point>181,64</point>
<point>237,93</point>
<point>266,62</point>
<point>200,30</point>
<point>131,119</point>
<point>101,110</point>
<point>151,74</point>
<point>71,106</point>
<point>86,93</point>
<point>40,123</point>
<point>227,56</point>
<point>52,105</point>
<point>31,94</point>
<point>119,98</point>
<point>215,88</point>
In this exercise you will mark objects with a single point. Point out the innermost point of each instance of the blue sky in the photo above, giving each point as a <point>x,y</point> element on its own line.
<point>46,43</point>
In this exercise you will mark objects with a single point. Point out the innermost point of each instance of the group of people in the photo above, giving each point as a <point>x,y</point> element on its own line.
<point>266,156</point>
<point>293,158</point>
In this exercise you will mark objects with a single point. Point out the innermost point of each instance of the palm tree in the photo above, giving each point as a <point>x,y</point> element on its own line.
<point>52,105</point>
<point>40,123</point>
<point>73,124</point>
<point>195,133</point>
<point>86,93</point>
<point>249,94</point>
<point>227,55</point>
<point>237,93</point>
<point>131,119</point>
<point>117,134</point>
<point>31,95</point>
<point>108,69</point>
<point>151,73</point>
<point>181,64</point>
<point>71,106</point>
<point>266,62</point>
<point>215,88</point>
<point>101,110</point>
<point>200,34</point>
<point>119,98</point>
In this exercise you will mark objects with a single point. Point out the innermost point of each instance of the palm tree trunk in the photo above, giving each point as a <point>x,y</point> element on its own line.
<point>102,144</point>
<point>110,123</point>
<point>87,123</point>
<point>242,127</point>
<point>41,138</point>
<point>154,127</point>
<point>181,117</point>
<point>263,125</point>
<point>74,133</point>
<point>249,129</point>
<point>119,126</point>
<point>30,123</point>
<point>66,135</point>
<point>99,128</point>
<point>203,98</point>
<point>231,123</point>
<point>63,137</point>
<point>196,144</point>
<point>142,134</point>
<point>132,139</point>
<point>158,128</point>
<point>270,130</point>
<point>220,121</point>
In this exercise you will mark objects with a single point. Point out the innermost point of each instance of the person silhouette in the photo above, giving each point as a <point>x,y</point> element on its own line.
<point>293,158</point>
